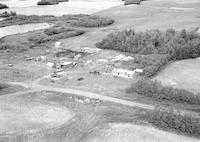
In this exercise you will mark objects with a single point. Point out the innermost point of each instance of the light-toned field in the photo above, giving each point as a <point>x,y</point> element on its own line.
<point>183,74</point>
<point>124,132</point>
<point>31,113</point>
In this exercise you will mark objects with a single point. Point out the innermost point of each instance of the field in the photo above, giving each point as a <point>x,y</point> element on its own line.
<point>44,116</point>
<point>181,74</point>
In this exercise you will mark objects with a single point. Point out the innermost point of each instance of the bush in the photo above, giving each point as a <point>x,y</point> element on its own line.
<point>154,89</point>
<point>57,30</point>
<point>7,14</point>
<point>23,19</point>
<point>87,20</point>
<point>48,2</point>
<point>174,45</point>
<point>63,0</point>
<point>54,34</point>
<point>151,64</point>
<point>171,119</point>
<point>128,2</point>
<point>3,6</point>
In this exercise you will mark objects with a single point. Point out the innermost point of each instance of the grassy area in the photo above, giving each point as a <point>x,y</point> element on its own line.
<point>155,90</point>
<point>86,116</point>
<point>83,20</point>
<point>54,34</point>
<point>6,89</point>
<point>174,120</point>
<point>172,45</point>
<point>3,6</point>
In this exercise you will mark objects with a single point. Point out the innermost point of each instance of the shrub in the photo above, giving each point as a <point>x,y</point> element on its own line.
<point>63,35</point>
<point>55,33</point>
<point>154,89</point>
<point>23,19</point>
<point>63,0</point>
<point>172,119</point>
<point>38,39</point>
<point>87,20</point>
<point>7,14</point>
<point>128,2</point>
<point>151,64</point>
<point>47,2</point>
<point>57,30</point>
<point>3,6</point>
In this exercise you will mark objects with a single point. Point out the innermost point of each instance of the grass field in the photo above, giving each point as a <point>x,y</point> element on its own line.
<point>182,74</point>
<point>7,89</point>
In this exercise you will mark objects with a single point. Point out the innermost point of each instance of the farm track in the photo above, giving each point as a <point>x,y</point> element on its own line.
<point>35,87</point>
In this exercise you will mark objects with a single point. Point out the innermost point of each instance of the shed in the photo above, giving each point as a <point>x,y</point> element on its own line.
<point>50,65</point>
<point>58,44</point>
<point>139,70</point>
<point>124,73</point>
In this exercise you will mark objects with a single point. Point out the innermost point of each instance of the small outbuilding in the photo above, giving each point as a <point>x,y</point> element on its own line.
<point>50,65</point>
<point>139,70</point>
<point>58,44</point>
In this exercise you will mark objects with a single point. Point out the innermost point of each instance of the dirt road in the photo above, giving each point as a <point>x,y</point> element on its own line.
<point>37,87</point>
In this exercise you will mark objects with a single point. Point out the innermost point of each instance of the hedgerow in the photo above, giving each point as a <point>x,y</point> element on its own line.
<point>48,2</point>
<point>83,20</point>
<point>157,91</point>
<point>174,120</point>
<point>3,6</point>
<point>54,34</point>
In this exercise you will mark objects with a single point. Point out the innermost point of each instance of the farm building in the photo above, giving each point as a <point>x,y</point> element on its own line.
<point>58,44</point>
<point>124,73</point>
<point>66,65</point>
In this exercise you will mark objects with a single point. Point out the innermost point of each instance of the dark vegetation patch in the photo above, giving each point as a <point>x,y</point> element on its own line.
<point>48,2</point>
<point>3,6</point>
<point>22,19</point>
<point>174,120</point>
<point>87,20</point>
<point>55,33</point>
<point>152,44</point>
<point>6,89</point>
<point>128,2</point>
<point>7,14</point>
<point>79,20</point>
<point>155,90</point>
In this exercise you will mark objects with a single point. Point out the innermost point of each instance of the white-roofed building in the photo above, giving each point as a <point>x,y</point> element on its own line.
<point>124,73</point>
